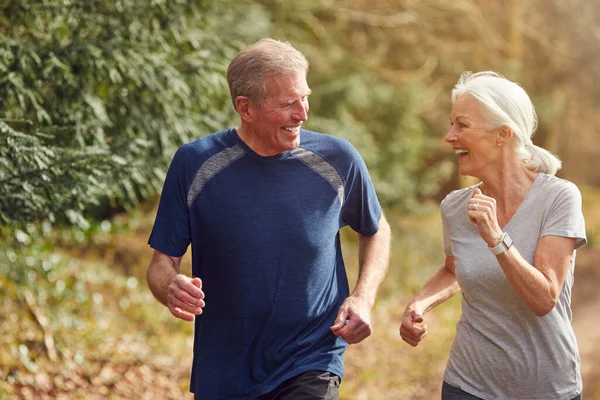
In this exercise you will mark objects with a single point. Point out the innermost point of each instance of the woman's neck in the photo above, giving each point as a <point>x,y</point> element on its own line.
<point>509,187</point>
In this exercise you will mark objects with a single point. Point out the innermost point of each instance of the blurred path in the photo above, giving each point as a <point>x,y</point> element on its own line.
<point>586,316</point>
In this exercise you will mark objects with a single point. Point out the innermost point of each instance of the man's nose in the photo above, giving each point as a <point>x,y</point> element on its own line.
<point>301,110</point>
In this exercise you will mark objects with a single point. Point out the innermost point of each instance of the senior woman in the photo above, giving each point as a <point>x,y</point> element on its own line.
<point>510,244</point>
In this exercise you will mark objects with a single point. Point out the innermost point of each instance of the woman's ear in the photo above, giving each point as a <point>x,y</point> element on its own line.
<point>504,135</point>
<point>243,107</point>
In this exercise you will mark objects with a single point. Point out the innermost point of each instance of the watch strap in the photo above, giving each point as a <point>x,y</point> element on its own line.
<point>505,244</point>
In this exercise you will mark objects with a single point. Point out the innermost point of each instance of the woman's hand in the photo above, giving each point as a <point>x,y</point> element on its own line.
<point>482,212</point>
<point>413,329</point>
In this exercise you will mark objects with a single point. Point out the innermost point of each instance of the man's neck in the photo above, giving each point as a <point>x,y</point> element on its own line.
<point>251,139</point>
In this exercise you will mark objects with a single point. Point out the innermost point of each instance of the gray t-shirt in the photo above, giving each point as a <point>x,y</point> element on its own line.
<point>502,350</point>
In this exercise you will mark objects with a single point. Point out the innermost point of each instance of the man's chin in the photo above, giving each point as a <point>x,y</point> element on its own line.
<point>291,144</point>
<point>295,144</point>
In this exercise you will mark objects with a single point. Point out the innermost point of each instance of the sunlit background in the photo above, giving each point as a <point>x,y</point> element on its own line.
<point>95,97</point>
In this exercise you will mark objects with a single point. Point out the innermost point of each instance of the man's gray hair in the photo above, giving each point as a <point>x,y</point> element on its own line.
<point>507,104</point>
<point>249,69</point>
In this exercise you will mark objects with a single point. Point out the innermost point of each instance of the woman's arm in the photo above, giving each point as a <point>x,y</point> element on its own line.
<point>440,287</point>
<point>539,285</point>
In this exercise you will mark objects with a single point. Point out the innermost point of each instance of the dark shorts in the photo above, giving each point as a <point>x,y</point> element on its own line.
<point>450,392</point>
<point>311,385</point>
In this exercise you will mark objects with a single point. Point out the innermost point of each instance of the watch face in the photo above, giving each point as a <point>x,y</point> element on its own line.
<point>507,241</point>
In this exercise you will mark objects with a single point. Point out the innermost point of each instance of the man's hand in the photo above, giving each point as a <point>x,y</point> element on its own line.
<point>185,297</point>
<point>412,328</point>
<point>182,295</point>
<point>353,322</point>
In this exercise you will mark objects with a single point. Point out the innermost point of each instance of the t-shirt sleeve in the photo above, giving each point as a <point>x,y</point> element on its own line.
<point>565,217</point>
<point>361,209</point>
<point>171,231</point>
<point>446,229</point>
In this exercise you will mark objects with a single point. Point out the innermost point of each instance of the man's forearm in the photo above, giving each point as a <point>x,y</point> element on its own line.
<point>162,271</point>
<point>374,257</point>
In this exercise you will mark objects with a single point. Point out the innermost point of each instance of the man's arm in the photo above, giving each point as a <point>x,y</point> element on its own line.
<point>373,256</point>
<point>180,293</point>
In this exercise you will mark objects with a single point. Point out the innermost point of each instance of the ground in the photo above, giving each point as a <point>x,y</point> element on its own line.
<point>586,310</point>
<point>383,367</point>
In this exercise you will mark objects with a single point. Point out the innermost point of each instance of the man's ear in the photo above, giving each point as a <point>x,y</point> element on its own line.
<point>243,107</point>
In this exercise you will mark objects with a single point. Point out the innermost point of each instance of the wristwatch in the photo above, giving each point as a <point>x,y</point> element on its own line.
<point>505,243</point>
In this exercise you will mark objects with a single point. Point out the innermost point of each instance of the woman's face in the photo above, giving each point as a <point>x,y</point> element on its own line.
<point>471,141</point>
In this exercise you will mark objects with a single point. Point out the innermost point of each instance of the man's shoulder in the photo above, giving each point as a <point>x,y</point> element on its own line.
<point>328,146</point>
<point>312,138</point>
<point>204,147</point>
<point>214,140</point>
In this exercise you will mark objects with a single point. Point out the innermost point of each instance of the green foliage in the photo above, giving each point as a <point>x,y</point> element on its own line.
<point>111,88</point>
<point>42,181</point>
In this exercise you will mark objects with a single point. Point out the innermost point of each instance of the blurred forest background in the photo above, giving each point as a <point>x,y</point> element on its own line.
<point>96,95</point>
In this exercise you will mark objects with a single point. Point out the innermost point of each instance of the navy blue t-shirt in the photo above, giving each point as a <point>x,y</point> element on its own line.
<point>265,242</point>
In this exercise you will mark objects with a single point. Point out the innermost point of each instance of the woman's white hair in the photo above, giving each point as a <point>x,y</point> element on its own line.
<point>508,105</point>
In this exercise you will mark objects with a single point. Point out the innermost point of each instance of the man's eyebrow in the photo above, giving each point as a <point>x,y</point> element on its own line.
<point>300,96</point>
<point>304,95</point>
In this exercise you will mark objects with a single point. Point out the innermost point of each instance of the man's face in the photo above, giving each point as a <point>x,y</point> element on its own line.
<point>276,125</point>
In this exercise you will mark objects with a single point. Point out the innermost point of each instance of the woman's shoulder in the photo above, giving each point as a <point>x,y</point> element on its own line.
<point>552,186</point>
<point>459,196</point>
<point>457,200</point>
<point>554,180</point>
